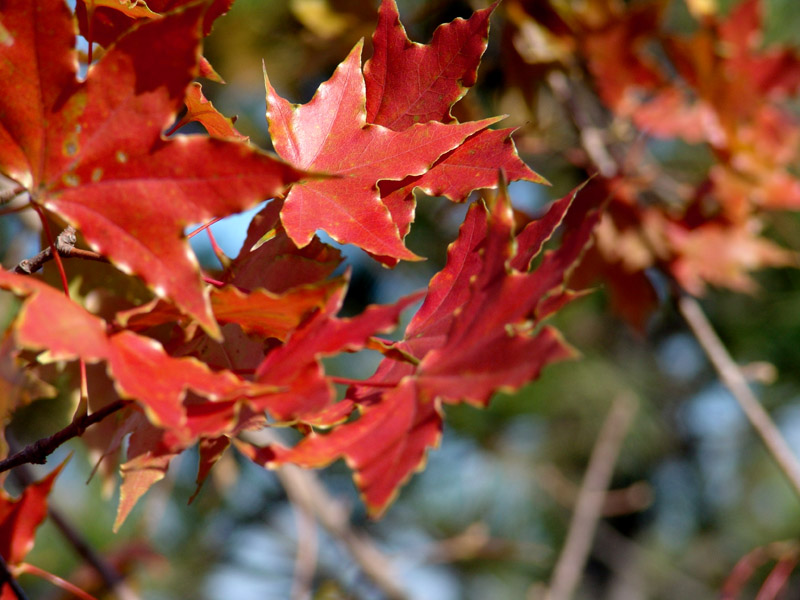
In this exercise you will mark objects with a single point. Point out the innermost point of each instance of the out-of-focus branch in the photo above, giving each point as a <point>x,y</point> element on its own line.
<point>624,501</point>
<point>307,548</point>
<point>735,381</point>
<point>606,161</point>
<point>591,135</point>
<point>306,491</point>
<point>38,452</point>
<point>591,498</point>
<point>475,542</point>
<point>6,578</point>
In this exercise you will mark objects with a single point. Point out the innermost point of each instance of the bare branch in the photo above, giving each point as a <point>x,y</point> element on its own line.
<point>65,246</point>
<point>591,498</point>
<point>305,489</point>
<point>7,578</point>
<point>736,382</point>
<point>8,194</point>
<point>38,452</point>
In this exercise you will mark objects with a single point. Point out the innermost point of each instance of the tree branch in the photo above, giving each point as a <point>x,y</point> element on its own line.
<point>65,246</point>
<point>7,578</point>
<point>8,194</point>
<point>38,452</point>
<point>304,488</point>
<point>735,381</point>
<point>588,508</point>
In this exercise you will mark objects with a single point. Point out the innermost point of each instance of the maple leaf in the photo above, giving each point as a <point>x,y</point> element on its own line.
<point>442,71</point>
<point>258,312</point>
<point>296,365</point>
<point>722,254</point>
<point>270,259</point>
<point>92,152</point>
<point>408,83</point>
<point>201,110</point>
<point>105,21</point>
<point>139,366</point>
<point>330,134</point>
<point>471,166</point>
<point>464,351</point>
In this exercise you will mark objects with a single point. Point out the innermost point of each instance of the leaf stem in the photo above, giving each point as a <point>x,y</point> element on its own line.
<point>38,452</point>
<point>363,383</point>
<point>53,251</point>
<point>203,227</point>
<point>735,381</point>
<point>66,241</point>
<point>214,282</point>
<point>56,580</point>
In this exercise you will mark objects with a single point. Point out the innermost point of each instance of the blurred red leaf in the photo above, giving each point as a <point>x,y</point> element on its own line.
<point>20,518</point>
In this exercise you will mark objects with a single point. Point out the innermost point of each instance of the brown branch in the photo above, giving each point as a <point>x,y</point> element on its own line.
<point>733,378</point>
<point>624,501</point>
<point>65,246</point>
<point>8,194</point>
<point>307,551</point>
<point>626,558</point>
<point>7,578</point>
<point>38,452</point>
<point>591,498</point>
<point>304,488</point>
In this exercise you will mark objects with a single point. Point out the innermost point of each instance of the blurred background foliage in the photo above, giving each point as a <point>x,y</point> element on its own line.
<point>693,490</point>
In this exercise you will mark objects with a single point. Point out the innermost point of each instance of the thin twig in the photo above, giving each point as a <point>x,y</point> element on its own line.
<point>305,489</point>
<point>307,549</point>
<point>7,578</point>
<point>38,452</point>
<point>8,194</point>
<point>591,135</point>
<point>65,246</point>
<point>736,382</point>
<point>589,505</point>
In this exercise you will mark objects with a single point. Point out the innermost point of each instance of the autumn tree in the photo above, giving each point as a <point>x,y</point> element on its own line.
<point>255,362</point>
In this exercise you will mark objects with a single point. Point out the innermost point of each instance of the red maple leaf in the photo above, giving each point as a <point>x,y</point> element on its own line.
<point>408,83</point>
<point>92,151</point>
<point>442,70</point>
<point>200,109</point>
<point>140,367</point>
<point>105,21</point>
<point>296,365</point>
<point>270,259</point>
<point>20,518</point>
<point>330,135</point>
<point>464,351</point>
